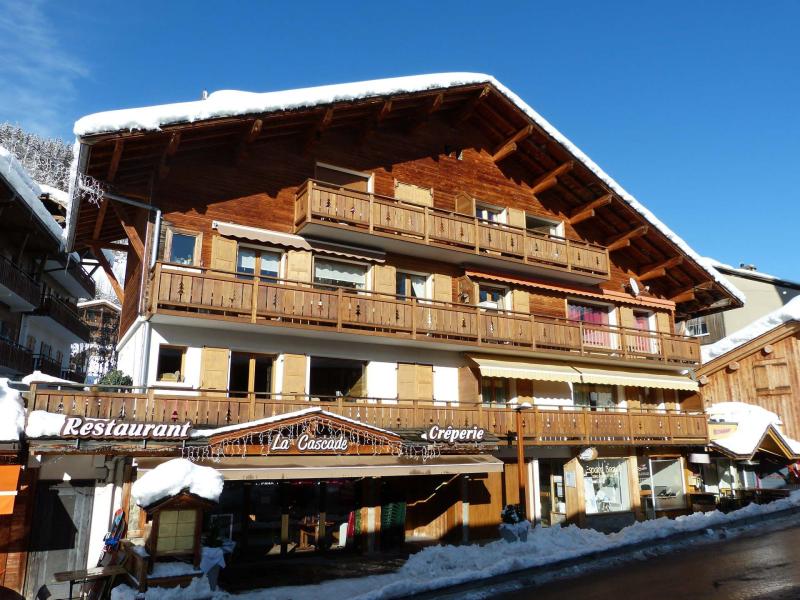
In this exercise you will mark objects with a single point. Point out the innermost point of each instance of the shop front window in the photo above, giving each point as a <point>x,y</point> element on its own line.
<point>606,486</point>
<point>666,476</point>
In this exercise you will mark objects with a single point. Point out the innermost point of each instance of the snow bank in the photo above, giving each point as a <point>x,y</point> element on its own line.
<point>174,476</point>
<point>752,423</point>
<point>198,588</point>
<point>44,424</point>
<point>788,312</point>
<point>12,412</point>
<point>39,377</point>
<point>228,103</point>
<point>28,190</point>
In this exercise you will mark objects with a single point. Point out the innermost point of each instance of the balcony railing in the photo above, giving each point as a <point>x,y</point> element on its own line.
<point>15,357</point>
<point>318,202</point>
<point>65,315</point>
<point>19,282</point>
<point>542,425</point>
<point>290,304</point>
<point>47,364</point>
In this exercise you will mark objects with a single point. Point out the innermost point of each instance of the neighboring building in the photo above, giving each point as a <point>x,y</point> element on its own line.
<point>765,293</point>
<point>39,281</point>
<point>99,356</point>
<point>360,264</point>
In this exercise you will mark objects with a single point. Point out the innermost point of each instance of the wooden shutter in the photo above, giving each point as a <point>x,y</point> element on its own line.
<point>664,322</point>
<point>469,389</point>
<point>298,265</point>
<point>214,368</point>
<point>223,254</point>
<point>516,217</point>
<point>771,374</point>
<point>442,287</point>
<point>359,388</point>
<point>383,279</point>
<point>294,374</point>
<point>520,301</point>
<point>413,193</point>
<point>626,317</point>
<point>406,381</point>
<point>162,241</point>
<point>465,204</point>
<point>424,389</point>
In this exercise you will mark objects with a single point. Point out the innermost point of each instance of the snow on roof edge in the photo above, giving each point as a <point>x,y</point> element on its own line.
<point>27,189</point>
<point>747,273</point>
<point>226,103</point>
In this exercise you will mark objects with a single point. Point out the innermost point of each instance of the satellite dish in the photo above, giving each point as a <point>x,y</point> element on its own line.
<point>634,287</point>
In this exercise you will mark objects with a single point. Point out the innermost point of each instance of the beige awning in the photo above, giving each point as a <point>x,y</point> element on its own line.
<point>539,370</point>
<point>288,240</point>
<point>636,378</point>
<point>254,468</point>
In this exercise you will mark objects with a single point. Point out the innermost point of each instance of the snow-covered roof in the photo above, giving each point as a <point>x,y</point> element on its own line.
<point>750,274</point>
<point>788,312</point>
<point>174,476</point>
<point>752,424</point>
<point>228,103</point>
<point>59,196</point>
<point>89,303</point>
<point>204,433</point>
<point>27,189</point>
<point>12,412</point>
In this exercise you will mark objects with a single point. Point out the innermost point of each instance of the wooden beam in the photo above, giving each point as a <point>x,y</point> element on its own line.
<point>386,108</point>
<point>655,270</point>
<point>115,158</point>
<point>371,124</point>
<point>587,211</point>
<point>108,245</point>
<point>106,266</point>
<point>684,297</point>
<point>509,146</point>
<point>248,137</point>
<point>317,130</point>
<point>130,230</point>
<point>548,180</point>
<point>695,287</point>
<point>471,105</point>
<point>169,152</point>
<point>424,114</point>
<point>624,239</point>
<point>101,215</point>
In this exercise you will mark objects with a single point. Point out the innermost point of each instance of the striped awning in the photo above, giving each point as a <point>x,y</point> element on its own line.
<point>542,370</point>
<point>288,240</point>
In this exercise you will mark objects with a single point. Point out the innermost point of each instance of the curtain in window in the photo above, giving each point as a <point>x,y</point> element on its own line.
<point>418,286</point>
<point>594,315</point>
<point>246,261</point>
<point>270,262</point>
<point>342,274</point>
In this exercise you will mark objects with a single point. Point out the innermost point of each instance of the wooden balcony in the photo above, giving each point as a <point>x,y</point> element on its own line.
<point>340,213</point>
<point>543,425</point>
<point>18,289</point>
<point>207,294</point>
<point>15,358</point>
<point>47,364</point>
<point>65,315</point>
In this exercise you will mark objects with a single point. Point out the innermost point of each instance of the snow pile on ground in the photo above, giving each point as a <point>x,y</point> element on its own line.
<point>39,377</point>
<point>28,190</point>
<point>788,312</point>
<point>444,566</point>
<point>752,423</point>
<point>44,424</point>
<point>227,103</point>
<point>174,476</point>
<point>12,412</point>
<point>198,588</point>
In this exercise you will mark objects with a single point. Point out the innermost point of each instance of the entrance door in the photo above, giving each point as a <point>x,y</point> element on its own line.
<point>60,535</point>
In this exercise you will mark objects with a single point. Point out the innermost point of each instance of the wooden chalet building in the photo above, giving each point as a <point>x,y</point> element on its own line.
<point>401,254</point>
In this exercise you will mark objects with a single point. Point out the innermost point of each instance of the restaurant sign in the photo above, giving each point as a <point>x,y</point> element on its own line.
<point>453,435</point>
<point>113,429</point>
<point>305,443</point>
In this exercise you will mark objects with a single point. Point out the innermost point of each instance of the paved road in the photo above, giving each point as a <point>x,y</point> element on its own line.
<point>754,567</point>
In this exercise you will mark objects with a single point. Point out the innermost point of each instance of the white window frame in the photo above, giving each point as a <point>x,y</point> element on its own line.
<point>557,226</point>
<point>428,281</point>
<point>370,177</point>
<point>279,251</point>
<point>503,212</point>
<point>506,296</point>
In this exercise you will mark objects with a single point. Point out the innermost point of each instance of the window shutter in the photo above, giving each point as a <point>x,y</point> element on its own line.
<point>761,377</point>
<point>406,381</point>
<point>298,265</point>
<point>779,375</point>
<point>520,301</point>
<point>413,193</point>
<point>627,320</point>
<point>516,217</point>
<point>223,254</point>
<point>424,388</point>
<point>294,374</point>
<point>442,287</point>
<point>214,369</point>
<point>465,204</point>
<point>359,388</point>
<point>664,322</point>
<point>383,279</point>
<point>162,240</point>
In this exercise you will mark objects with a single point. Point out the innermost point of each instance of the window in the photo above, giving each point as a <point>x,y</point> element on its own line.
<point>250,375</point>
<point>340,274</point>
<point>594,396</point>
<point>696,327</point>
<point>645,344</point>
<point>171,363</point>
<point>544,226</point>
<point>494,390</point>
<point>333,377</point>
<point>268,262</point>
<point>487,212</point>
<point>597,317</point>
<point>182,247</point>
<point>492,297</point>
<point>31,343</point>
<point>605,486</point>
<point>412,285</point>
<point>45,349</point>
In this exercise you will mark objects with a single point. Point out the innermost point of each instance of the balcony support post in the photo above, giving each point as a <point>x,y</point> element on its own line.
<point>339,308</point>
<point>521,470</point>
<point>254,298</point>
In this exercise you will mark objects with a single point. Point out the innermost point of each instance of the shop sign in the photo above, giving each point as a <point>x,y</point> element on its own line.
<point>112,429</point>
<point>452,435</point>
<point>588,454</point>
<point>306,443</point>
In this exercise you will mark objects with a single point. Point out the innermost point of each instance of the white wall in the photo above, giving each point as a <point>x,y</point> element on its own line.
<point>45,330</point>
<point>445,384</point>
<point>381,379</point>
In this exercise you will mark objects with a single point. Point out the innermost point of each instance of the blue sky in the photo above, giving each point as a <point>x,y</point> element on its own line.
<point>693,107</point>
